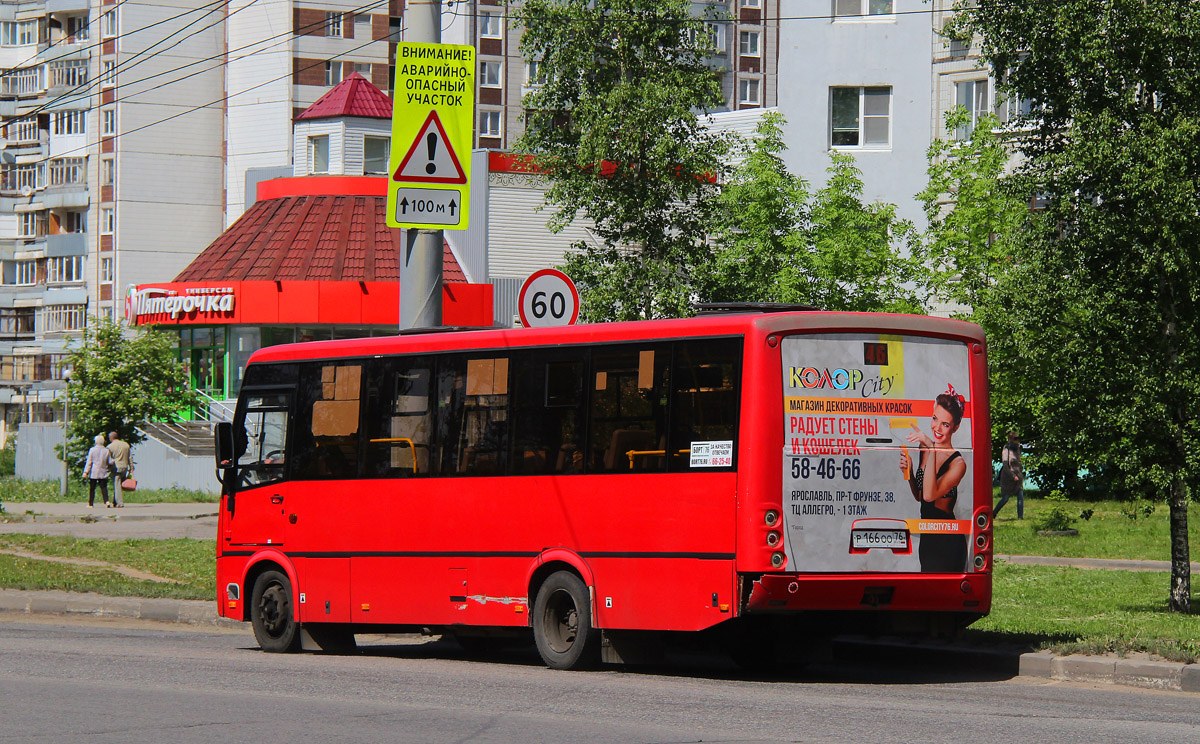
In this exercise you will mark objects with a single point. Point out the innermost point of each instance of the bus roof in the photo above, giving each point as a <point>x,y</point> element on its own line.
<point>639,330</point>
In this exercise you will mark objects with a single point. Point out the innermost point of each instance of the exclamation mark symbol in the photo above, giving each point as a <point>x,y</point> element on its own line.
<point>431,144</point>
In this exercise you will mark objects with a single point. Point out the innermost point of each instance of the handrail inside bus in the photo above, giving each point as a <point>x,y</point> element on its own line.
<point>634,453</point>
<point>401,440</point>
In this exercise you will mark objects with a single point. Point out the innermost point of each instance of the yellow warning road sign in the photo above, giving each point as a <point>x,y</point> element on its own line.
<point>432,118</point>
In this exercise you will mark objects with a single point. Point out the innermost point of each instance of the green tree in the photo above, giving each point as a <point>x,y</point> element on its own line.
<point>118,382</point>
<point>972,211</point>
<point>613,126</point>
<point>776,242</point>
<point>1101,306</point>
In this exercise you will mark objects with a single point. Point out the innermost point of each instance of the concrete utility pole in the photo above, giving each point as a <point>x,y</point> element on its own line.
<point>421,264</point>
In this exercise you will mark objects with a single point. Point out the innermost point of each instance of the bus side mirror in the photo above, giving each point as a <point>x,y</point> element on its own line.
<point>224,445</point>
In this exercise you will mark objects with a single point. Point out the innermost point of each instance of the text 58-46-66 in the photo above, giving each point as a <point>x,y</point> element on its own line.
<point>826,468</point>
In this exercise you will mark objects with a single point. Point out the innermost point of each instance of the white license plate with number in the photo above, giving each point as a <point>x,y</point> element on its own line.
<point>890,539</point>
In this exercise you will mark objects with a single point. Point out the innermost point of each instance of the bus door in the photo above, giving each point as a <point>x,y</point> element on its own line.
<point>257,511</point>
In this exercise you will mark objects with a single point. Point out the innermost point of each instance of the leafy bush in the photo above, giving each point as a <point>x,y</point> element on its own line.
<point>8,457</point>
<point>1056,517</point>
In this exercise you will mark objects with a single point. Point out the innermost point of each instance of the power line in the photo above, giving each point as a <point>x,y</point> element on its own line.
<point>84,89</point>
<point>220,100</point>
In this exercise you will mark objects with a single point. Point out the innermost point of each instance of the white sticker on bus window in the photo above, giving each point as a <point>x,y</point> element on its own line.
<point>717,454</point>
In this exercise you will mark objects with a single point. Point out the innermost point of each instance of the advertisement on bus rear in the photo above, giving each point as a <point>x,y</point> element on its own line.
<point>876,453</point>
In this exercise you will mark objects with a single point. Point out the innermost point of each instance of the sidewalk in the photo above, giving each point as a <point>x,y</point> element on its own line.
<point>157,521</point>
<point>1108,564</point>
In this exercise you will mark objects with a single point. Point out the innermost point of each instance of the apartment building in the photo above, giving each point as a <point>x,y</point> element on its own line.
<point>128,132</point>
<point>745,52</point>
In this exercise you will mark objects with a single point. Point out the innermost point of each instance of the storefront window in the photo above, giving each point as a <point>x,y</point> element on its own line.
<point>202,352</point>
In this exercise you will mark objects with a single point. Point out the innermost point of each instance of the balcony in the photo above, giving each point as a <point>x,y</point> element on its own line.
<point>66,244</point>
<point>66,6</point>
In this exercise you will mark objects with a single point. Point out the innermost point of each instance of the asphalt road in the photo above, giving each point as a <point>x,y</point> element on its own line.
<point>77,680</point>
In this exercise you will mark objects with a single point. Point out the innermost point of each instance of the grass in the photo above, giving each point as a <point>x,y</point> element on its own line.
<point>192,563</point>
<point>1109,533</point>
<point>1071,610</point>
<point>17,491</point>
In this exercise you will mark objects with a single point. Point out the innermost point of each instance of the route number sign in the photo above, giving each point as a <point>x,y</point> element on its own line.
<point>548,298</point>
<point>432,119</point>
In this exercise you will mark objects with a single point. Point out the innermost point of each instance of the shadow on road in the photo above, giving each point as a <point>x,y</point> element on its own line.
<point>853,661</point>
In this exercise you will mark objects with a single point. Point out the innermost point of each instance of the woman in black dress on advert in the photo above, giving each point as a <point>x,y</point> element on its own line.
<point>938,494</point>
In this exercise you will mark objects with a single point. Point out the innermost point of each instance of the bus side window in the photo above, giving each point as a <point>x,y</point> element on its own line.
<point>326,446</point>
<point>627,423</point>
<point>483,419</point>
<point>705,388</point>
<point>399,418</point>
<point>547,412</point>
<point>260,439</point>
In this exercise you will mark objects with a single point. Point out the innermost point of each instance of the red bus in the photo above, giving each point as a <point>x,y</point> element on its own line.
<point>761,476</point>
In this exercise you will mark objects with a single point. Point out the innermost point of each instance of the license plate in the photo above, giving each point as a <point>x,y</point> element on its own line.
<point>867,539</point>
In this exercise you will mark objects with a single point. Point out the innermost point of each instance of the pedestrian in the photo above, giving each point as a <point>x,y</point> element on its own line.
<point>123,465</point>
<point>97,470</point>
<point>1012,476</point>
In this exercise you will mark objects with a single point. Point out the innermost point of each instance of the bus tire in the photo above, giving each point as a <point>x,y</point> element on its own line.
<point>272,614</point>
<point>562,623</point>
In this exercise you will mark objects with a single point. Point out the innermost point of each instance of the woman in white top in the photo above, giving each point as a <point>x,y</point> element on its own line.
<point>96,470</point>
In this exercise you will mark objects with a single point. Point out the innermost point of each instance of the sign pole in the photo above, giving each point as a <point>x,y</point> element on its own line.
<point>421,264</point>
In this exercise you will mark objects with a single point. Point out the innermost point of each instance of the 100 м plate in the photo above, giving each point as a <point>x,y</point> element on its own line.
<point>430,206</point>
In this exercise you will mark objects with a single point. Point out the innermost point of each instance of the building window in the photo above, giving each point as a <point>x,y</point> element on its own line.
<point>318,154</point>
<point>363,68</point>
<point>24,176</point>
<point>31,224</point>
<point>1011,110</point>
<point>750,3</point>
<point>534,75</point>
<point>108,172</point>
<point>748,43</point>
<point>74,222</point>
<point>489,123</point>
<point>333,23</point>
<point>971,95</point>
<point>16,321</point>
<point>862,7</point>
<point>57,318</point>
<point>68,171</point>
<point>333,72</point>
<point>108,220</point>
<point>77,27</point>
<point>18,33</point>
<point>69,73</point>
<point>108,24</point>
<point>748,90</point>
<point>489,74</point>
<point>23,130</point>
<point>22,81</point>
<point>69,122</point>
<point>108,73</point>
<point>376,151</point>
<point>24,273</point>
<point>106,270</point>
<point>489,24</point>
<point>861,117</point>
<point>108,121</point>
<point>64,270</point>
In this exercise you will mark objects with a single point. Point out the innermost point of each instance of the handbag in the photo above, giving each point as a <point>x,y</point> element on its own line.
<point>129,484</point>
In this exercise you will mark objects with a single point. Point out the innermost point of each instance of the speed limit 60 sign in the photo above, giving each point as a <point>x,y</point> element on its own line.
<point>548,298</point>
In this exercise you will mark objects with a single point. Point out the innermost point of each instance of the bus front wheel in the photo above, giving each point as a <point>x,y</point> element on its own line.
<point>271,613</point>
<point>562,623</point>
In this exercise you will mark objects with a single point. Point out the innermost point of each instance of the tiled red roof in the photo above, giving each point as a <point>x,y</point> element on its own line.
<point>354,96</point>
<point>306,238</point>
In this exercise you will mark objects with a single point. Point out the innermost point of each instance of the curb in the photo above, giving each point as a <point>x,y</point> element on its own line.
<point>1155,675</point>
<point>187,611</point>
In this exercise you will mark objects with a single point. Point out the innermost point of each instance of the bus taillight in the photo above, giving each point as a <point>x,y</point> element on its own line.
<point>771,517</point>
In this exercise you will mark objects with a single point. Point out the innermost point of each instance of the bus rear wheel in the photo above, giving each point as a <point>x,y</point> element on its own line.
<point>562,623</point>
<point>271,613</point>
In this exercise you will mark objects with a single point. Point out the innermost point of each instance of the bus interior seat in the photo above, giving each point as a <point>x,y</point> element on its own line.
<point>623,441</point>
